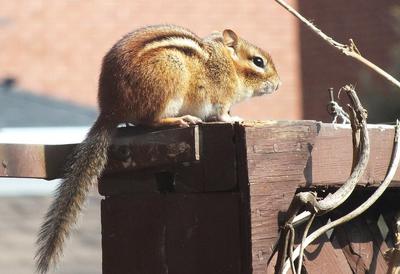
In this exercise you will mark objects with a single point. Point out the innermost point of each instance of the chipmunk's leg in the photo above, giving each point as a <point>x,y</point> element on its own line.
<point>182,121</point>
<point>223,115</point>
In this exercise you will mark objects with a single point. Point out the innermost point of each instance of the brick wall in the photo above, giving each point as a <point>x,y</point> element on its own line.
<point>371,25</point>
<point>55,47</point>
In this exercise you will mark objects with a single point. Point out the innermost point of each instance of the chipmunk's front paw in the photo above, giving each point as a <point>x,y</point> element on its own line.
<point>189,120</point>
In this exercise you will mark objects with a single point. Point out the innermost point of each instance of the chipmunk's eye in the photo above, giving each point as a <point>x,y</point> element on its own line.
<point>258,61</point>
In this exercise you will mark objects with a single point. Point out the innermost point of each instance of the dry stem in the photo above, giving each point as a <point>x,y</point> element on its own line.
<point>361,150</point>
<point>364,206</point>
<point>349,50</point>
<point>393,254</point>
<point>303,238</point>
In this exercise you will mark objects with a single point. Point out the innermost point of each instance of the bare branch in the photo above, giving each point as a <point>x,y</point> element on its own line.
<point>364,206</point>
<point>393,254</point>
<point>361,150</point>
<point>349,50</point>
<point>303,238</point>
<point>291,244</point>
<point>358,123</point>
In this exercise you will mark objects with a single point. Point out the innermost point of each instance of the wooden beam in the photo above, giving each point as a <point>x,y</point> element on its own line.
<point>171,233</point>
<point>133,149</point>
<point>358,246</point>
<point>277,155</point>
<point>330,160</point>
<point>215,171</point>
<point>305,153</point>
<point>33,161</point>
<point>323,256</point>
<point>287,155</point>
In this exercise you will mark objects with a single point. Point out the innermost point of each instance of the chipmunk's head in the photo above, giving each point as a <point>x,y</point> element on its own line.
<point>255,68</point>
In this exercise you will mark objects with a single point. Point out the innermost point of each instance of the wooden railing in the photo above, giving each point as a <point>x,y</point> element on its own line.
<point>210,198</point>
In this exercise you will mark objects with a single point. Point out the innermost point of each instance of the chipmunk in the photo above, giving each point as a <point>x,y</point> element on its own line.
<point>155,76</point>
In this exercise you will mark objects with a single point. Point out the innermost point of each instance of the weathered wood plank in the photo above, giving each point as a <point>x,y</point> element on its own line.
<point>215,171</point>
<point>218,156</point>
<point>277,155</point>
<point>358,246</point>
<point>243,187</point>
<point>322,257</point>
<point>134,235</point>
<point>331,157</point>
<point>283,156</point>
<point>203,234</point>
<point>132,149</point>
<point>171,233</point>
<point>33,161</point>
<point>327,163</point>
<point>266,163</point>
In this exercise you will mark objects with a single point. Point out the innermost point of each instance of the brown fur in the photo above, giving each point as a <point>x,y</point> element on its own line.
<point>156,76</point>
<point>83,169</point>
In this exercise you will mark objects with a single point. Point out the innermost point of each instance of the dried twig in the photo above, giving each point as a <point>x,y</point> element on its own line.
<point>336,111</point>
<point>360,159</point>
<point>364,206</point>
<point>290,246</point>
<point>361,153</point>
<point>297,203</point>
<point>331,201</point>
<point>359,123</point>
<point>303,238</point>
<point>349,50</point>
<point>393,254</point>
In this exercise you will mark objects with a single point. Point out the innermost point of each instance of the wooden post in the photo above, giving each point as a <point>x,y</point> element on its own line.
<point>181,217</point>
<point>245,178</point>
<point>210,198</point>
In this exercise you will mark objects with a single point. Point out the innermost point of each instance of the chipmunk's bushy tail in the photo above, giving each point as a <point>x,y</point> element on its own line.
<point>82,170</point>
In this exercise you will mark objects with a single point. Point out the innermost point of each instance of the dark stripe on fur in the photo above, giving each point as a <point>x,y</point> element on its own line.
<point>185,50</point>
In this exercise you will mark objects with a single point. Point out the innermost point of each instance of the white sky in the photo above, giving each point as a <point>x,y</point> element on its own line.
<point>50,135</point>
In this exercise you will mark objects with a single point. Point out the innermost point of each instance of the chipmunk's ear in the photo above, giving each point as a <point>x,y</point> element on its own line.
<point>230,38</point>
